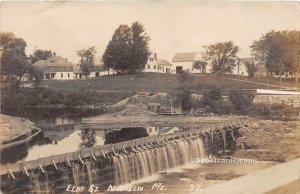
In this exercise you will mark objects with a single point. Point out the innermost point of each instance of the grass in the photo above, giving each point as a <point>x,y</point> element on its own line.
<point>143,82</point>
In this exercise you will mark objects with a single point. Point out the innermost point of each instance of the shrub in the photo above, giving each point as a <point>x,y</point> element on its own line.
<point>213,99</point>
<point>241,101</point>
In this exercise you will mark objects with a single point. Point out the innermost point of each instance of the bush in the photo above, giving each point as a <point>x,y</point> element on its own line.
<point>241,101</point>
<point>213,99</point>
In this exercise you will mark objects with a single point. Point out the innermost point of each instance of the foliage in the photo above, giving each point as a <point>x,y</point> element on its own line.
<point>87,59</point>
<point>278,50</point>
<point>241,101</point>
<point>128,50</point>
<point>251,68</point>
<point>14,62</point>
<point>185,78</point>
<point>186,101</point>
<point>200,65</point>
<point>39,54</point>
<point>35,75</point>
<point>213,99</point>
<point>14,97</point>
<point>222,56</point>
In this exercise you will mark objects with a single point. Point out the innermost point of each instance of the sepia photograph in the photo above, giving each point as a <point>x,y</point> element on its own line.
<point>149,97</point>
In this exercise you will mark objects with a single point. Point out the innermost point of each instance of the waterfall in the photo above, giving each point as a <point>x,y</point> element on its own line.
<point>76,178</point>
<point>145,163</point>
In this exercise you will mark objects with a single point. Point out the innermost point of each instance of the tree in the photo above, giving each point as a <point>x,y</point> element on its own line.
<point>200,65</point>
<point>39,54</point>
<point>14,62</point>
<point>128,50</point>
<point>87,60</point>
<point>140,50</point>
<point>278,50</point>
<point>222,56</point>
<point>251,68</point>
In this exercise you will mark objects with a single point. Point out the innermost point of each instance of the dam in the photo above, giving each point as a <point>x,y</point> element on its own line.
<point>119,163</point>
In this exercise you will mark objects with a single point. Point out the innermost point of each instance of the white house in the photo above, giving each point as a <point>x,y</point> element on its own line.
<point>56,68</point>
<point>97,70</point>
<point>241,68</point>
<point>157,65</point>
<point>185,62</point>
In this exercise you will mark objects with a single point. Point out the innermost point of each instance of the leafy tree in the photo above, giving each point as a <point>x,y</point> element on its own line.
<point>128,50</point>
<point>39,54</point>
<point>87,59</point>
<point>222,56</point>
<point>279,51</point>
<point>14,62</point>
<point>252,67</point>
<point>140,50</point>
<point>200,65</point>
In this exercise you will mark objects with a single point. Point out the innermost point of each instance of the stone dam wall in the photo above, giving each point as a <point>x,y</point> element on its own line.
<point>284,99</point>
<point>104,167</point>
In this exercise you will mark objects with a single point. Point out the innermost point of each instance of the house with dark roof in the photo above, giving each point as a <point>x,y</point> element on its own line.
<point>157,65</point>
<point>185,62</point>
<point>56,68</point>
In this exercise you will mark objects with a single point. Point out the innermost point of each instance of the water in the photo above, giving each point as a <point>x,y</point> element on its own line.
<point>128,168</point>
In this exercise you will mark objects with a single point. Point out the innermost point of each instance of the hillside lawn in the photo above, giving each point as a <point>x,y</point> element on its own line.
<point>145,82</point>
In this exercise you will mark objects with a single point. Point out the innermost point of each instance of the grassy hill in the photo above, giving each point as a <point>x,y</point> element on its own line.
<point>142,82</point>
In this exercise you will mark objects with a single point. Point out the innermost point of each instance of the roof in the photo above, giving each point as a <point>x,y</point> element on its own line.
<point>163,62</point>
<point>57,60</point>
<point>183,57</point>
<point>245,60</point>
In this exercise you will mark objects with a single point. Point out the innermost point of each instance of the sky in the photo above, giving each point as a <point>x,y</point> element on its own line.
<point>173,25</point>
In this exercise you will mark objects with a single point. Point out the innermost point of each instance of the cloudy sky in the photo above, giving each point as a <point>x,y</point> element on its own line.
<point>174,26</point>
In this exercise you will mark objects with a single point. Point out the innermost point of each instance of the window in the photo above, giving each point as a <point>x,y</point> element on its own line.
<point>61,75</point>
<point>68,74</point>
<point>154,66</point>
<point>148,66</point>
<point>151,59</point>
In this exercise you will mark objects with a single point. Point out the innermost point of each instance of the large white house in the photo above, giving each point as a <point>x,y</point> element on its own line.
<point>56,68</point>
<point>157,65</point>
<point>185,62</point>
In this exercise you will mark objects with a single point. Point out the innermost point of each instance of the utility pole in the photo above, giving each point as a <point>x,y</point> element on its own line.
<point>238,64</point>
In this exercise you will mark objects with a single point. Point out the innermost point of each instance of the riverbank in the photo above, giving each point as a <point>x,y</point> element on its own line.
<point>13,127</point>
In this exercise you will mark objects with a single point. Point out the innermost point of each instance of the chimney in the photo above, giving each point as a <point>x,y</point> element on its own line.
<point>155,56</point>
<point>54,54</point>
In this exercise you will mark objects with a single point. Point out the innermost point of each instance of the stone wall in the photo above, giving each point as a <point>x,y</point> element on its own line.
<point>290,100</point>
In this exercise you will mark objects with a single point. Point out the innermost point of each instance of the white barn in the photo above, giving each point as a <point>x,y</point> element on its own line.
<point>185,62</point>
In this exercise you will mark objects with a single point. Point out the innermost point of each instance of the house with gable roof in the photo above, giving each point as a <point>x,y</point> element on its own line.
<point>157,65</point>
<point>56,68</point>
<point>185,62</point>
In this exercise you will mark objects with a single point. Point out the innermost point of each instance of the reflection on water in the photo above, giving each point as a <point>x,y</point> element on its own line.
<point>52,116</point>
<point>61,142</point>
